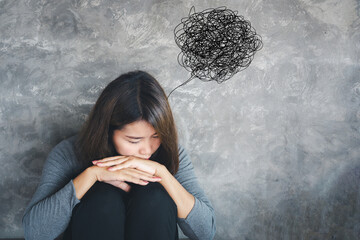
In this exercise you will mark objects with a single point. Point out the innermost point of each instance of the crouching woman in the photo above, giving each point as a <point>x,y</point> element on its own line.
<point>124,176</point>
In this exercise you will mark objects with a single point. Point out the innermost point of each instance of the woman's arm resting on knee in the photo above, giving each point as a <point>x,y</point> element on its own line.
<point>182,198</point>
<point>200,223</point>
<point>49,210</point>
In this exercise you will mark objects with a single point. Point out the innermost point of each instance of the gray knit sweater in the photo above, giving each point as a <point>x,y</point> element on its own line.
<point>49,211</point>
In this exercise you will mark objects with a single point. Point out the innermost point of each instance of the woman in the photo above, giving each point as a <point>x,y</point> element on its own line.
<point>123,176</point>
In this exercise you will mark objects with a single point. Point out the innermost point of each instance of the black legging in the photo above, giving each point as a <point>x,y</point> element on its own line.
<point>107,212</point>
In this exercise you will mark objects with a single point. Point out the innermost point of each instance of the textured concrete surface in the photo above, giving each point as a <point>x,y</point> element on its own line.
<point>276,148</point>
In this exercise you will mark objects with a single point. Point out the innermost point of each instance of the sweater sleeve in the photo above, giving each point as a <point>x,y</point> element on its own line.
<point>50,209</point>
<point>200,223</point>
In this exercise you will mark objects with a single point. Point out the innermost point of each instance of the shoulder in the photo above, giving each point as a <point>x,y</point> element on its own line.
<point>185,164</point>
<point>181,150</point>
<point>183,155</point>
<point>64,151</point>
<point>66,146</point>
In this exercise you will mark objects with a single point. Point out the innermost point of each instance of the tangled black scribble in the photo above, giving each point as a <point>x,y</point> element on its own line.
<point>215,44</point>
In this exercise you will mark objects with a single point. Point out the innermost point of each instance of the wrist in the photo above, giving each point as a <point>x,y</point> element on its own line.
<point>161,171</point>
<point>94,172</point>
<point>84,181</point>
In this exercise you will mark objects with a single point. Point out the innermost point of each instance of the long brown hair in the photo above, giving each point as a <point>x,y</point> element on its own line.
<point>131,97</point>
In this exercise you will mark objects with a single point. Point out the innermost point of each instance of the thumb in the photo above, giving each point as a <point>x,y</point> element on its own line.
<point>124,186</point>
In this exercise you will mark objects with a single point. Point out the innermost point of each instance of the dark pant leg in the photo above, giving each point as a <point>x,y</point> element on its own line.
<point>100,214</point>
<point>151,214</point>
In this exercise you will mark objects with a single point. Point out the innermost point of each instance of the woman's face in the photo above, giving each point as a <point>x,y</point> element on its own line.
<point>137,139</point>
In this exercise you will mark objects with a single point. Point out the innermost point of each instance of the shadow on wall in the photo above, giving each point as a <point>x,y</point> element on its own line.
<point>319,215</point>
<point>27,152</point>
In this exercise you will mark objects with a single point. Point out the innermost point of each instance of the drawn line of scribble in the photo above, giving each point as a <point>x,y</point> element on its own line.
<point>215,44</point>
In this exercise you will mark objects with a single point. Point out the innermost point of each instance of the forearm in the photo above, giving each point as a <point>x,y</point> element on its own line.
<point>49,217</point>
<point>84,181</point>
<point>182,198</point>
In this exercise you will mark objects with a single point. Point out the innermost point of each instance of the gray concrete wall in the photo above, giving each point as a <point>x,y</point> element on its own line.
<point>276,148</point>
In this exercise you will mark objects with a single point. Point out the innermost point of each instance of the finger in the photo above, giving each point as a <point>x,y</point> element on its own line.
<point>131,164</point>
<point>145,174</point>
<point>116,167</point>
<point>142,175</point>
<point>125,164</point>
<point>133,179</point>
<point>108,159</point>
<point>111,162</point>
<point>142,165</point>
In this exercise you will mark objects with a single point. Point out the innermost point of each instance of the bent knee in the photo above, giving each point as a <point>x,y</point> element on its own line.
<point>103,194</point>
<point>153,197</point>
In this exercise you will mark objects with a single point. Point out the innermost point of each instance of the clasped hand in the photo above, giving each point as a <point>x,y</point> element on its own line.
<point>118,170</point>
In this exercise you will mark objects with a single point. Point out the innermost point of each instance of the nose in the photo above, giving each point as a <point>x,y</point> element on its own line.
<point>146,150</point>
